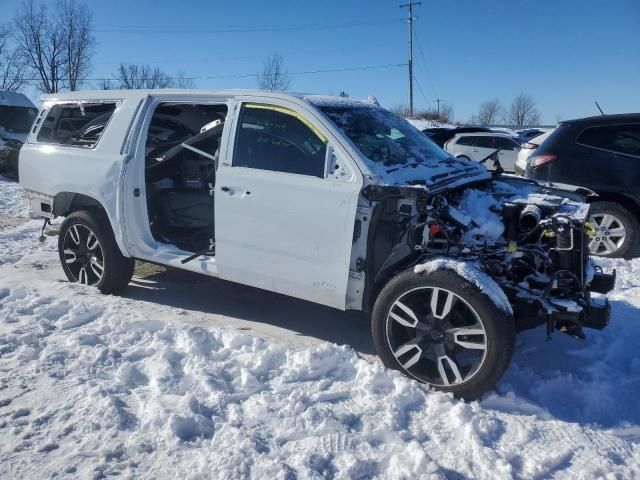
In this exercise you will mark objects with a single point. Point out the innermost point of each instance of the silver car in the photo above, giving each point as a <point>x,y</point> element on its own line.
<point>478,146</point>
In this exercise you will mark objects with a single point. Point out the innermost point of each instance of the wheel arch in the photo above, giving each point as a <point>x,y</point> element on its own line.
<point>65,203</point>
<point>627,202</point>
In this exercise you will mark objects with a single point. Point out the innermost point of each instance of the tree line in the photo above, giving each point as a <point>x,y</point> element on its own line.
<point>51,45</point>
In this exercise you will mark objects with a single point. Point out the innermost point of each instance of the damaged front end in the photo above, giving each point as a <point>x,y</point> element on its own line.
<point>530,239</point>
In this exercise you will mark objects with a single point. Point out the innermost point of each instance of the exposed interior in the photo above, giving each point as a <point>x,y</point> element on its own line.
<point>181,160</point>
<point>77,124</point>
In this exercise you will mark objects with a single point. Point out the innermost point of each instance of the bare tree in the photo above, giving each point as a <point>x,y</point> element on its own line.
<point>401,110</point>
<point>183,82</point>
<point>490,113</point>
<point>274,75</point>
<point>74,23</point>
<point>105,84</point>
<point>41,45</point>
<point>131,76</point>
<point>445,114</point>
<point>11,67</point>
<point>523,111</point>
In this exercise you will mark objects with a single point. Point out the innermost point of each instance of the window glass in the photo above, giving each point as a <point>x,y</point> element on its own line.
<point>465,141</point>
<point>80,125</point>
<point>278,139</point>
<point>484,142</point>
<point>617,138</point>
<point>17,119</point>
<point>504,143</point>
<point>382,137</point>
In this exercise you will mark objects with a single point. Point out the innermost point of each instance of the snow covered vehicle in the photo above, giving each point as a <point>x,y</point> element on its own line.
<point>16,116</point>
<point>330,200</point>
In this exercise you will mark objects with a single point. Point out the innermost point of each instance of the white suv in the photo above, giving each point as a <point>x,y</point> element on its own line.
<point>479,146</point>
<point>326,199</point>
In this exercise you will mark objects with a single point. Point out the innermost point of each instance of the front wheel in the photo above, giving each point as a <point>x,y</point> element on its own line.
<point>442,330</point>
<point>616,230</point>
<point>90,255</point>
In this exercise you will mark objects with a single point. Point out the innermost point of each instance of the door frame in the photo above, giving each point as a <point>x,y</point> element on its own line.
<point>139,239</point>
<point>353,175</point>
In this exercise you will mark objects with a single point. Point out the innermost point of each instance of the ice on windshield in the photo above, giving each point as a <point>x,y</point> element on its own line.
<point>398,153</point>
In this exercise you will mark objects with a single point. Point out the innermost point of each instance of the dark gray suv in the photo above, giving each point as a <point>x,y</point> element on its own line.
<point>603,154</point>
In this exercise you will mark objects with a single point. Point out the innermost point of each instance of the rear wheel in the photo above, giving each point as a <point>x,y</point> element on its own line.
<point>89,253</point>
<point>442,330</point>
<point>615,230</point>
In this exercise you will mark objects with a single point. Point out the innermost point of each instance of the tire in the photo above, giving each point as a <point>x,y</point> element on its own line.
<point>471,310</point>
<point>616,230</point>
<point>86,247</point>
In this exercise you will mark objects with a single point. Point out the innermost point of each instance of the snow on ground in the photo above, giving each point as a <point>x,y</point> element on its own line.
<point>147,386</point>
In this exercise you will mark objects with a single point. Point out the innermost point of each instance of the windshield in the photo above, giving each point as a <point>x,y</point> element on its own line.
<point>17,119</point>
<point>383,137</point>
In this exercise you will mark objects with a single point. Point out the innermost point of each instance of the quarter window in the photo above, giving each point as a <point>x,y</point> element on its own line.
<point>278,139</point>
<point>79,125</point>
<point>617,138</point>
<point>465,141</point>
<point>484,142</point>
<point>505,144</point>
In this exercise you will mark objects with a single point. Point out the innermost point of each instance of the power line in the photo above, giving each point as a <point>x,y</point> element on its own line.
<point>196,30</point>
<point>426,66</point>
<point>248,57</point>
<point>247,75</point>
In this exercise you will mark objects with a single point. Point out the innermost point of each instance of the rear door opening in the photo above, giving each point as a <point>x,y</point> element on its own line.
<point>181,158</point>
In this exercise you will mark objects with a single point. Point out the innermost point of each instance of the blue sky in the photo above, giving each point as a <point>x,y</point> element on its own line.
<point>566,54</point>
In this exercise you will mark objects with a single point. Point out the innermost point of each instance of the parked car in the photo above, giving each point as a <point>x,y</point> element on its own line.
<point>526,150</point>
<point>442,135</point>
<point>528,134</point>
<point>478,146</point>
<point>603,154</point>
<point>329,200</point>
<point>16,116</point>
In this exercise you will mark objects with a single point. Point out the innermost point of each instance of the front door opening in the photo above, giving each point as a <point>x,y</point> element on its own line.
<point>181,160</point>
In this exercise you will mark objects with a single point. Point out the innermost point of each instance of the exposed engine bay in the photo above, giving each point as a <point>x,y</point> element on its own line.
<point>531,240</point>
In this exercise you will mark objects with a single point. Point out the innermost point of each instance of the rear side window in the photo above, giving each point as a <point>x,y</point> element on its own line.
<point>78,125</point>
<point>465,141</point>
<point>484,142</point>
<point>616,138</point>
<point>278,139</point>
<point>504,143</point>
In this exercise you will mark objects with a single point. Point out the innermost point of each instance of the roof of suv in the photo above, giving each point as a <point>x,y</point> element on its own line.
<point>125,94</point>
<point>605,119</point>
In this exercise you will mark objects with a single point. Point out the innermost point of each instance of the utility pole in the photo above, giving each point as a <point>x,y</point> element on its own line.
<point>438,100</point>
<point>410,21</point>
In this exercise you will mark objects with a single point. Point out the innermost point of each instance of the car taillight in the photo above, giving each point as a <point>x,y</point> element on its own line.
<point>541,159</point>
<point>529,145</point>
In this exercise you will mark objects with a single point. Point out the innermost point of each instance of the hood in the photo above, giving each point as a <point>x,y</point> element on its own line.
<point>430,174</point>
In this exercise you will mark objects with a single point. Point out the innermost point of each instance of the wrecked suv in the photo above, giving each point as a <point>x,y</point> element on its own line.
<point>329,200</point>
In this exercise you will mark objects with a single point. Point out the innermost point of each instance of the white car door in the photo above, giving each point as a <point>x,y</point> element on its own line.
<point>284,222</point>
<point>508,154</point>
<point>481,148</point>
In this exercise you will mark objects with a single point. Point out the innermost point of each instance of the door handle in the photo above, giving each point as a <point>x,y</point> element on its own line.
<point>225,189</point>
